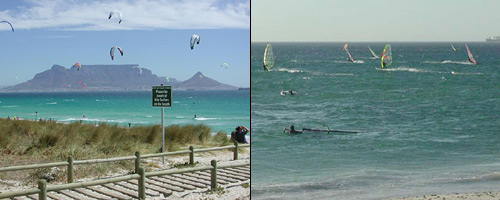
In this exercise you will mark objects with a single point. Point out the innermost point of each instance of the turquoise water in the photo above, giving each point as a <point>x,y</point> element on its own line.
<point>221,110</point>
<point>430,122</point>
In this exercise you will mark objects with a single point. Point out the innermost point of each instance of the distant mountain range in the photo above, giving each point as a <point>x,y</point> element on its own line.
<point>109,78</point>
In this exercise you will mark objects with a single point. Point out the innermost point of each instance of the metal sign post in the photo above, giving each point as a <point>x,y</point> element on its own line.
<point>162,97</point>
<point>162,137</point>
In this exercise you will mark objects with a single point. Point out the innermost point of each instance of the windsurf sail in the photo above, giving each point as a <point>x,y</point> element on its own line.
<point>349,54</point>
<point>453,47</point>
<point>373,53</point>
<point>268,58</point>
<point>469,54</point>
<point>386,57</point>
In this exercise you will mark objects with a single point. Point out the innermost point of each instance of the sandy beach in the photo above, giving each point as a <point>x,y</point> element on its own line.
<point>456,196</point>
<point>239,190</point>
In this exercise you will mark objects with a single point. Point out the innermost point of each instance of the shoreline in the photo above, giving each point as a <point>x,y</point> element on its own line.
<point>455,196</point>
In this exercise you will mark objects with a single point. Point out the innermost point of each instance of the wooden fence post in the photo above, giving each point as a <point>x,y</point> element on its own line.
<point>137,161</point>
<point>213,176</point>
<point>70,169</point>
<point>142,179</point>
<point>191,155</point>
<point>235,150</point>
<point>42,185</point>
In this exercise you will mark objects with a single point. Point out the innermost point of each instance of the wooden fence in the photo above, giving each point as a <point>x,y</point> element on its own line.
<point>140,176</point>
<point>70,162</point>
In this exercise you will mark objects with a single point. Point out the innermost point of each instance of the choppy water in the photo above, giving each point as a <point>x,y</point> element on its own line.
<point>221,110</point>
<point>431,121</point>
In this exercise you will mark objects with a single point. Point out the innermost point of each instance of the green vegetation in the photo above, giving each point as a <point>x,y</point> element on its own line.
<point>219,191</point>
<point>23,142</point>
<point>184,165</point>
<point>245,185</point>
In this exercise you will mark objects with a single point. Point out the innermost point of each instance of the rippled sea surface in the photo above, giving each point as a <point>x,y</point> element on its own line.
<point>221,110</point>
<point>430,122</point>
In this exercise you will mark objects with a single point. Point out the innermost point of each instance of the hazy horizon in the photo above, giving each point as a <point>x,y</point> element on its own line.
<point>374,21</point>
<point>370,41</point>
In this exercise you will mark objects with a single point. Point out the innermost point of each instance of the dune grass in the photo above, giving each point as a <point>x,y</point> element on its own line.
<point>25,142</point>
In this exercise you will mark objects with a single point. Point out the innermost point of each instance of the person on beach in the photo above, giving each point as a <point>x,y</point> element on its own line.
<point>239,133</point>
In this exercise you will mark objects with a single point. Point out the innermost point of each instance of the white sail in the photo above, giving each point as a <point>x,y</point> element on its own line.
<point>453,47</point>
<point>268,58</point>
<point>374,56</point>
<point>351,59</point>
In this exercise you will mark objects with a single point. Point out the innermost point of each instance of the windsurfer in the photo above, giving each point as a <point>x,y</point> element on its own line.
<point>386,60</point>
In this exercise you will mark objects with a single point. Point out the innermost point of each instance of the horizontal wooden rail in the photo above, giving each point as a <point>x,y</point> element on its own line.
<point>177,171</point>
<point>34,166</point>
<point>19,193</point>
<point>166,154</point>
<point>69,186</point>
<point>103,160</point>
<point>228,165</point>
<point>214,149</point>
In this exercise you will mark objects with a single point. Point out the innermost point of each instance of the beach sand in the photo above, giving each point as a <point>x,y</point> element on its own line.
<point>457,196</point>
<point>231,191</point>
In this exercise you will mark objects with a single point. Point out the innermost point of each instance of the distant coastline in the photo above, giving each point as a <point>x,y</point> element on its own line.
<point>106,78</point>
<point>110,90</point>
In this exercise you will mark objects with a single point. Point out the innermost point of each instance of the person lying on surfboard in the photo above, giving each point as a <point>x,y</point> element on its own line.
<point>292,129</point>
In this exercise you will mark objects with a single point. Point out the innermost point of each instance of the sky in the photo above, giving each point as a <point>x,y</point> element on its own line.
<point>154,34</point>
<point>374,20</point>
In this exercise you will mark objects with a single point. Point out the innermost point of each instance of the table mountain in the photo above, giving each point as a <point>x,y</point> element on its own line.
<point>109,78</point>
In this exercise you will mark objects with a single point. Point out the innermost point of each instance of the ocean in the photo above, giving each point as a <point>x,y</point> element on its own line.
<point>430,122</point>
<point>221,110</point>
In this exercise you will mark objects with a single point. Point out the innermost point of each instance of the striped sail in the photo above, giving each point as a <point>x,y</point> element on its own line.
<point>386,57</point>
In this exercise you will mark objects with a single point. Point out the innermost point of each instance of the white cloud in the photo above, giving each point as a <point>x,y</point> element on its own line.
<point>137,14</point>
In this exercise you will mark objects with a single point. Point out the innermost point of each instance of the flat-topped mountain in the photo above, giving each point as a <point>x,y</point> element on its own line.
<point>109,78</point>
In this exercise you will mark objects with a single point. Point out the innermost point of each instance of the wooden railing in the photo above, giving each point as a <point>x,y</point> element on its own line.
<point>70,163</point>
<point>140,176</point>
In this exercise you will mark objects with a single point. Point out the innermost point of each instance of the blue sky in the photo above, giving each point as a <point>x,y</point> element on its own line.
<point>374,20</point>
<point>153,34</point>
